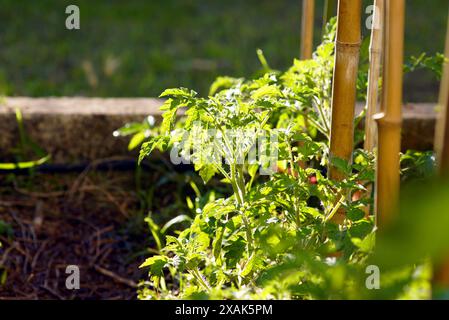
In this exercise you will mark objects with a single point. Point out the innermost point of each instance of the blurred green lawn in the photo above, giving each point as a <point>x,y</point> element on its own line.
<point>138,48</point>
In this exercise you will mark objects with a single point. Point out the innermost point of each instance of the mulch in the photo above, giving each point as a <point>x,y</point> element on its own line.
<point>91,220</point>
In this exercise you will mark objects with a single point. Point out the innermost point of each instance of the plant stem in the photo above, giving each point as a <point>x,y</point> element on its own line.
<point>249,237</point>
<point>324,119</point>
<point>238,185</point>
<point>291,160</point>
<point>335,209</point>
<point>241,181</point>
<point>197,275</point>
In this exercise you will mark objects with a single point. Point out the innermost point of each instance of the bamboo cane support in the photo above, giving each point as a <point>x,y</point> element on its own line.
<point>390,119</point>
<point>441,271</point>
<point>308,12</point>
<point>440,281</point>
<point>344,86</point>
<point>375,57</point>
<point>442,129</point>
<point>328,12</point>
<point>344,82</point>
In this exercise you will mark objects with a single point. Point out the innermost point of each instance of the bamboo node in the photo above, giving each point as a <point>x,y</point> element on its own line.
<point>348,44</point>
<point>375,51</point>
<point>383,120</point>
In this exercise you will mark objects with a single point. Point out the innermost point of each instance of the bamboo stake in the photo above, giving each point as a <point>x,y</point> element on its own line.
<point>440,281</point>
<point>375,56</point>
<point>390,119</point>
<point>328,13</point>
<point>344,86</point>
<point>308,11</point>
<point>441,271</point>
<point>442,129</point>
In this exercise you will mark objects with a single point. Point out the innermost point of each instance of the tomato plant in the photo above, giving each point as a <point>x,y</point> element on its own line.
<point>273,237</point>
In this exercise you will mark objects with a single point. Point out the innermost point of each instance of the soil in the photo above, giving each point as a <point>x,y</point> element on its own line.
<point>91,220</point>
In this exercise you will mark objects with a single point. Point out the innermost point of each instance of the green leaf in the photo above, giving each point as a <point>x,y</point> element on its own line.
<point>217,242</point>
<point>178,93</point>
<point>193,261</point>
<point>155,231</point>
<point>168,120</point>
<point>201,241</point>
<point>156,264</point>
<point>147,148</point>
<point>218,208</point>
<point>235,250</point>
<point>222,83</point>
<point>266,91</point>
<point>342,165</point>
<point>313,212</point>
<point>367,244</point>
<point>192,114</point>
<point>24,165</point>
<point>355,214</point>
<point>252,170</point>
<point>131,128</point>
<point>207,171</point>
<point>136,140</point>
<point>176,220</point>
<point>249,265</point>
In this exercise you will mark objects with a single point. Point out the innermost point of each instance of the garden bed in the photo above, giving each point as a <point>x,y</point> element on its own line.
<point>90,219</point>
<point>79,210</point>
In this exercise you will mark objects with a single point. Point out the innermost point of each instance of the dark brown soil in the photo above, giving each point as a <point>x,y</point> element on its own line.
<point>92,220</point>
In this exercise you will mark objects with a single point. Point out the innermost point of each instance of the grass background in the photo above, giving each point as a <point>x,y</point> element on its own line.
<point>138,48</point>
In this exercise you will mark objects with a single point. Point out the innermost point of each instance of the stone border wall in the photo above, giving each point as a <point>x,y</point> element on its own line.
<point>77,129</point>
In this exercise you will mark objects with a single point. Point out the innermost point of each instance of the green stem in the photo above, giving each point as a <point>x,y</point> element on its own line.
<point>291,160</point>
<point>238,184</point>
<point>197,275</point>
<point>324,119</point>
<point>335,209</point>
<point>241,181</point>
<point>235,186</point>
<point>249,237</point>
